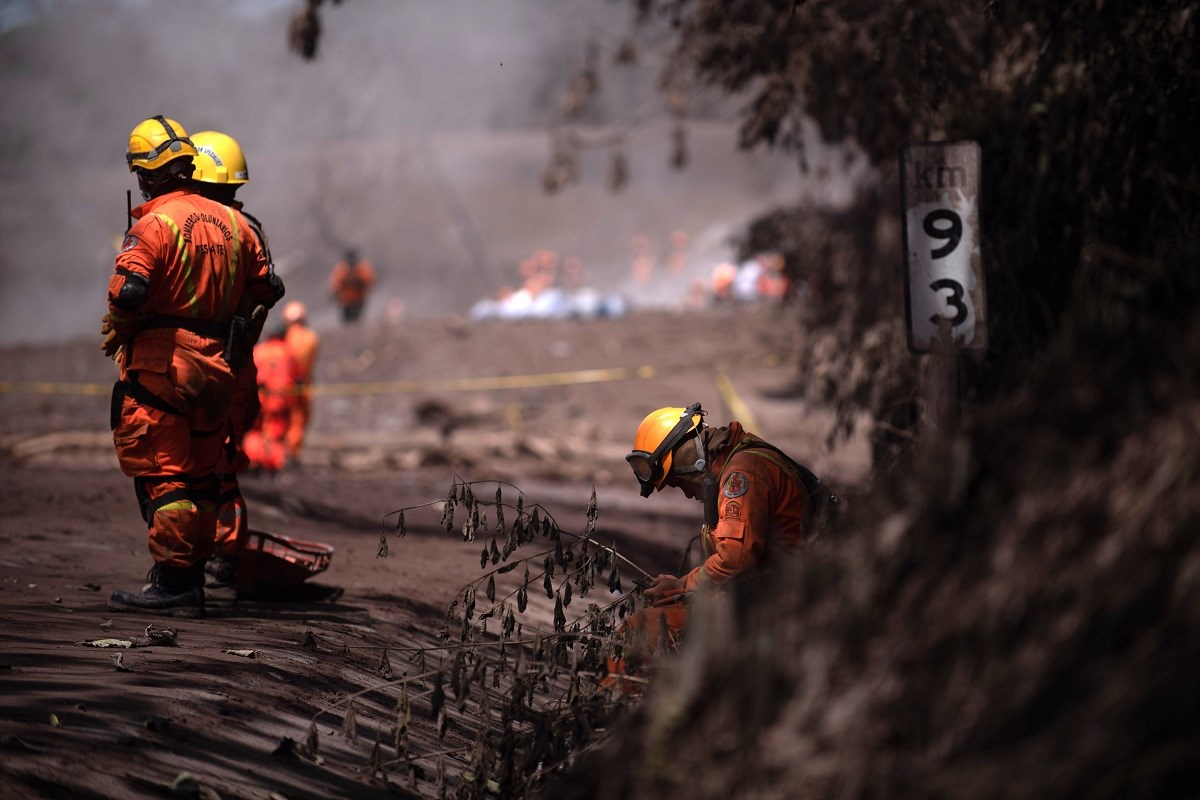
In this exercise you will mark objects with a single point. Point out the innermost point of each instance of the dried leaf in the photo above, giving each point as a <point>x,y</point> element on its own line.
<point>592,513</point>
<point>350,723</point>
<point>242,653</point>
<point>90,587</point>
<point>491,588</point>
<point>106,624</point>
<point>438,697</point>
<point>376,762</point>
<point>400,529</point>
<point>614,579</point>
<point>566,601</point>
<point>384,668</point>
<point>382,550</point>
<point>495,551</point>
<point>54,723</point>
<point>119,663</point>
<point>106,643</point>
<point>560,619</point>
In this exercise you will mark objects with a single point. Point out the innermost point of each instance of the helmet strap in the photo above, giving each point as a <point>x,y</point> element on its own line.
<point>167,178</point>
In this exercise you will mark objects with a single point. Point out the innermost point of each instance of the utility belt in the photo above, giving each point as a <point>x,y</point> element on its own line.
<point>131,387</point>
<point>236,333</point>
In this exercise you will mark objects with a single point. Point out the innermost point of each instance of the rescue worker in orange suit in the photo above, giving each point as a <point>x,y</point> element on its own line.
<point>220,170</point>
<point>278,376</point>
<point>175,327</point>
<point>759,506</point>
<point>350,283</point>
<point>303,342</point>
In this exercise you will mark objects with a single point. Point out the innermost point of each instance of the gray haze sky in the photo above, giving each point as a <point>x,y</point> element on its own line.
<point>421,126</point>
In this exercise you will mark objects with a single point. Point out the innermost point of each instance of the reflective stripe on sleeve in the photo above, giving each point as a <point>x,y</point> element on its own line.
<point>233,264</point>
<point>184,260</point>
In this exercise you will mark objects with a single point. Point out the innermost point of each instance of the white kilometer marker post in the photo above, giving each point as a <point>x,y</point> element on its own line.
<point>944,275</point>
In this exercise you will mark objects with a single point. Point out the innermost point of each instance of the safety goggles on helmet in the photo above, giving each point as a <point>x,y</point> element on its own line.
<point>174,143</point>
<point>648,467</point>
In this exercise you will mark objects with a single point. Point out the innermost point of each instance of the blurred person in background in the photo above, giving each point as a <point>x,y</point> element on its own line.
<point>175,327</point>
<point>677,255</point>
<point>722,282</point>
<point>350,283</point>
<point>220,171</point>
<point>303,342</point>
<point>774,285</point>
<point>265,443</point>
<point>759,505</point>
<point>643,259</point>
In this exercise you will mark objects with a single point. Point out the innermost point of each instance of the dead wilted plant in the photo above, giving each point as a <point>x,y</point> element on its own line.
<point>501,709</point>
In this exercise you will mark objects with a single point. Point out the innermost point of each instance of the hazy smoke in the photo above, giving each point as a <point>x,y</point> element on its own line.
<point>419,128</point>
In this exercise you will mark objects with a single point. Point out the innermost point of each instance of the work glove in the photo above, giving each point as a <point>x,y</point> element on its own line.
<point>113,346</point>
<point>665,590</point>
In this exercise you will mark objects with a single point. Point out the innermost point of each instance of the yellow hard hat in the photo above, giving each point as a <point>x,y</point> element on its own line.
<point>219,159</point>
<point>157,141</point>
<point>294,312</point>
<point>655,440</point>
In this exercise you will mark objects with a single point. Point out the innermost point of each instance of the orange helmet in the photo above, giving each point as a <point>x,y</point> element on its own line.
<point>655,441</point>
<point>294,312</point>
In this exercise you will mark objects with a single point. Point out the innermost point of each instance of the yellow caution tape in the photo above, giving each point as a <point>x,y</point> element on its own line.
<point>580,376</point>
<point>736,405</point>
<point>15,387</point>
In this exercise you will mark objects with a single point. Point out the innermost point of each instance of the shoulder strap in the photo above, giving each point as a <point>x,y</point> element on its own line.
<point>821,499</point>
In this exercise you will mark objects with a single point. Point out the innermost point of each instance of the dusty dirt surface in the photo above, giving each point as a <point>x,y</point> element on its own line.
<point>401,410</point>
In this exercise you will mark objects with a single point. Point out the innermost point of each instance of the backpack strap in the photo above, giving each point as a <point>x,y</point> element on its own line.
<point>821,500</point>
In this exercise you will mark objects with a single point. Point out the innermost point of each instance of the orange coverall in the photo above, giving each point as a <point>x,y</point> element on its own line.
<point>233,519</point>
<point>277,395</point>
<point>350,284</point>
<point>302,341</point>
<point>172,400</point>
<point>761,512</point>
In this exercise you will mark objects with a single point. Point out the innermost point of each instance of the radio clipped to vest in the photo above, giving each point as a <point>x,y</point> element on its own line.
<point>238,344</point>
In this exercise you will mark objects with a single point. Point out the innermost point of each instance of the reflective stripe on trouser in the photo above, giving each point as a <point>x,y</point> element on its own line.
<point>181,514</point>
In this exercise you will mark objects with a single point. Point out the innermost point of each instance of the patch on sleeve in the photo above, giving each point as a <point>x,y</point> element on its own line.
<point>128,243</point>
<point>736,485</point>
<point>733,510</point>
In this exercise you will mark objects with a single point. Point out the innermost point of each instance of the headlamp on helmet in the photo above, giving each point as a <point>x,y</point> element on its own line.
<point>651,467</point>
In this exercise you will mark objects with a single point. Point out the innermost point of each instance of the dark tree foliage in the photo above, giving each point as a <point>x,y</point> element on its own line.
<point>1017,613</point>
<point>1086,112</point>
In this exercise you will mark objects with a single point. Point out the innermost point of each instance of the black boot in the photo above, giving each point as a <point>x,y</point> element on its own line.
<point>173,591</point>
<point>220,579</point>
